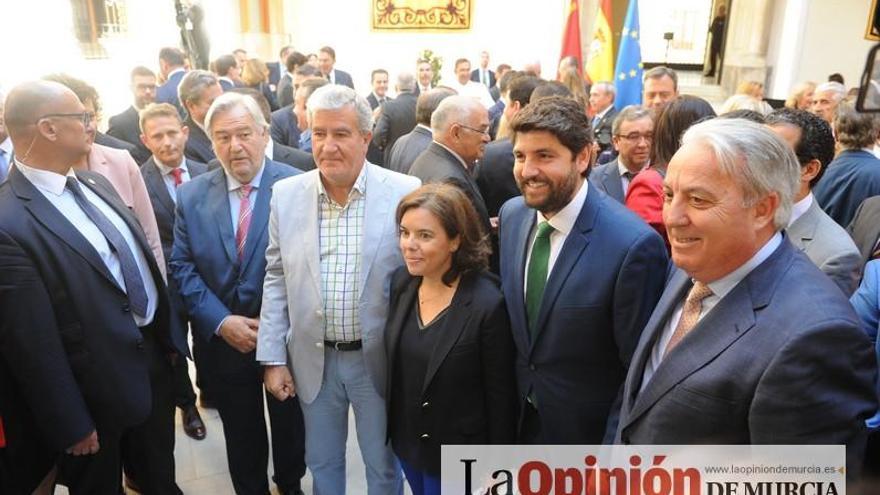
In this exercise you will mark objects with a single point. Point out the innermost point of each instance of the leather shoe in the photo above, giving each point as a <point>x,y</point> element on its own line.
<point>192,423</point>
<point>132,485</point>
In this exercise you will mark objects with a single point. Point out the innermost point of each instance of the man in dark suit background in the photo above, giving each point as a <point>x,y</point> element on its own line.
<point>495,170</point>
<point>602,103</point>
<point>167,169</point>
<point>277,69</point>
<point>228,72</point>
<point>221,284</point>
<point>424,76</point>
<point>855,174</point>
<point>288,84</point>
<point>408,147</point>
<point>286,121</point>
<point>125,126</point>
<point>171,67</point>
<point>750,342</point>
<point>198,89</point>
<point>483,74</point>
<point>326,61</point>
<point>460,133</point>
<point>86,332</point>
<point>633,133</point>
<point>580,274</point>
<point>379,93</point>
<point>398,116</point>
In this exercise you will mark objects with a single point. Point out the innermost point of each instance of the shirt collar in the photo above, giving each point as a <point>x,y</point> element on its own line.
<point>270,149</point>
<point>564,219</point>
<point>801,207</point>
<point>165,169</point>
<point>45,180</point>
<point>725,284</point>
<point>233,184</point>
<point>621,168</point>
<point>227,79</point>
<point>603,112</point>
<point>460,159</point>
<point>6,146</point>
<point>359,189</point>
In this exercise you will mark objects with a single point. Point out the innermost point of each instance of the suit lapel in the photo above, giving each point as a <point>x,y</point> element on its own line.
<point>218,199</point>
<point>377,206</point>
<point>310,200</point>
<point>803,230</point>
<point>575,244</point>
<point>44,212</point>
<point>522,232</point>
<point>156,184</point>
<point>611,181</point>
<point>260,215</point>
<point>454,323</point>
<point>404,304</point>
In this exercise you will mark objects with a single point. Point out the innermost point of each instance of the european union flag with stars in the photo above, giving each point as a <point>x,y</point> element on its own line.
<point>628,74</point>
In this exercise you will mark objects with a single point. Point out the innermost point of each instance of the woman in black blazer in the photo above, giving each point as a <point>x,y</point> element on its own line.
<point>448,339</point>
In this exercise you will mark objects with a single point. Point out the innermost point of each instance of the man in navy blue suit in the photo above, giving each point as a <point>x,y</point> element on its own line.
<point>172,70</point>
<point>218,262</point>
<point>581,275</point>
<point>326,62</point>
<point>197,92</point>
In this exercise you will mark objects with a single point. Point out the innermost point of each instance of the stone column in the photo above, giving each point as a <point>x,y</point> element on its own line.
<point>745,50</point>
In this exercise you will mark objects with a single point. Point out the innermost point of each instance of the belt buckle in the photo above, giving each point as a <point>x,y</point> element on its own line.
<point>336,344</point>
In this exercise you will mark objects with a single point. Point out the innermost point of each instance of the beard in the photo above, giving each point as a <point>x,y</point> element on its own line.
<point>558,195</point>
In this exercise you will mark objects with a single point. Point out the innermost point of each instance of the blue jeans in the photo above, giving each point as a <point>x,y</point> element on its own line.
<point>420,482</point>
<point>347,382</point>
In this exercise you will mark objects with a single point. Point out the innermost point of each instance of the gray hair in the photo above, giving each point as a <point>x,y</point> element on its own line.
<point>456,108</point>
<point>231,100</point>
<point>336,97</point>
<point>754,157</point>
<point>835,88</point>
<point>406,82</point>
<point>193,84</point>
<point>606,87</point>
<point>629,114</point>
<point>744,102</point>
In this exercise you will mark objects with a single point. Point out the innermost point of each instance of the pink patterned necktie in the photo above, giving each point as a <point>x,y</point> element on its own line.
<point>244,218</point>
<point>690,314</point>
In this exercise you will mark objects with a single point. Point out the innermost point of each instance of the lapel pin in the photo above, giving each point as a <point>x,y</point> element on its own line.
<point>91,181</point>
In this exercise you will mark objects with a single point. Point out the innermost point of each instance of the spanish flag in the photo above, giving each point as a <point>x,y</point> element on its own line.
<point>571,40</point>
<point>600,59</point>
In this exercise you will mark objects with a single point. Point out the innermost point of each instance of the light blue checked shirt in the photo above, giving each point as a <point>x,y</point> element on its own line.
<point>341,230</point>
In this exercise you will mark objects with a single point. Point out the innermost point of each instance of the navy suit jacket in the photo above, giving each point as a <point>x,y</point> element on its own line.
<point>75,354</point>
<point>344,78</point>
<point>198,146</point>
<point>495,175</point>
<point>212,281</point>
<point>126,126</point>
<point>606,280</point>
<point>850,179</point>
<point>275,72</point>
<point>283,127</point>
<point>167,92</point>
<point>781,359</point>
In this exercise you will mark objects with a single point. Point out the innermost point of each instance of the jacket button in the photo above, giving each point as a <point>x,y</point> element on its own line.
<point>140,344</point>
<point>126,308</point>
<point>425,405</point>
<point>532,366</point>
<point>425,436</point>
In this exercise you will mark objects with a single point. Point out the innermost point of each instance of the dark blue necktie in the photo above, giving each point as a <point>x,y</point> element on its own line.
<point>134,284</point>
<point>4,166</point>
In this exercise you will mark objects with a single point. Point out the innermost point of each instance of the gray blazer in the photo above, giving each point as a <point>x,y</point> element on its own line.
<point>291,321</point>
<point>606,178</point>
<point>828,246</point>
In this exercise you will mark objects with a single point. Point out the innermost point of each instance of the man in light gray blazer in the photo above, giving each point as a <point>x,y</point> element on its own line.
<point>632,134</point>
<point>332,249</point>
<point>815,233</point>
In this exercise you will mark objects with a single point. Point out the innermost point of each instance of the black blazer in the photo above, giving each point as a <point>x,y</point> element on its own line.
<point>398,118</point>
<point>126,126</point>
<point>475,76</point>
<point>495,175</point>
<point>469,396</point>
<point>78,360</point>
<point>198,146</point>
<point>343,78</point>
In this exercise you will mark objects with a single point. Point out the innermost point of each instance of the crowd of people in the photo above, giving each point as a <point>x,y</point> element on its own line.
<point>499,259</point>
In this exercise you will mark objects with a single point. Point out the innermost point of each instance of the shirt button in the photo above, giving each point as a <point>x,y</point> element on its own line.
<point>319,313</point>
<point>319,344</point>
<point>532,366</point>
<point>425,436</point>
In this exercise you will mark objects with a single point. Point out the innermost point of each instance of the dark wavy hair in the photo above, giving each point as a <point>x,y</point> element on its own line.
<point>816,141</point>
<point>452,207</point>
<point>676,117</point>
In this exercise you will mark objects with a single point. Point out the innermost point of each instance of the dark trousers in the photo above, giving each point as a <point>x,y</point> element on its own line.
<point>530,426</point>
<point>148,448</point>
<point>98,473</point>
<point>236,380</point>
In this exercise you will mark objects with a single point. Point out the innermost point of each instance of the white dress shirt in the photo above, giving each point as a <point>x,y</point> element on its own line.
<point>720,288</point>
<point>54,188</point>
<point>168,179</point>
<point>270,149</point>
<point>474,90</point>
<point>6,147</point>
<point>562,222</point>
<point>801,207</point>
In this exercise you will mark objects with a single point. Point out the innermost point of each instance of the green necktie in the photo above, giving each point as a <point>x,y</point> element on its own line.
<point>536,278</point>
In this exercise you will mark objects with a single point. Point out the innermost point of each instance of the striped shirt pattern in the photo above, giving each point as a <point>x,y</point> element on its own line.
<point>340,239</point>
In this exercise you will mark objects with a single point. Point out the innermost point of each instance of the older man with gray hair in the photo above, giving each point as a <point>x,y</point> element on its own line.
<point>220,279</point>
<point>197,90</point>
<point>602,103</point>
<point>460,127</point>
<point>332,250</point>
<point>826,98</point>
<point>750,342</point>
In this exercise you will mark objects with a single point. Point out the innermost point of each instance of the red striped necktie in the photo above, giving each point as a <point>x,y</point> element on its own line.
<point>244,218</point>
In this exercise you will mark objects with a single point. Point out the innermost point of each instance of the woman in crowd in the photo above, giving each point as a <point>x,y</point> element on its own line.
<point>255,75</point>
<point>801,97</point>
<point>645,193</point>
<point>448,338</point>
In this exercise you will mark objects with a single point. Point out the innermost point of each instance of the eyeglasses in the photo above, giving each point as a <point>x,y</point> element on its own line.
<point>478,131</point>
<point>85,117</point>
<point>635,137</point>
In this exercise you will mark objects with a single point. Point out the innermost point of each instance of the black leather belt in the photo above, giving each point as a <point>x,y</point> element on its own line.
<point>339,345</point>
